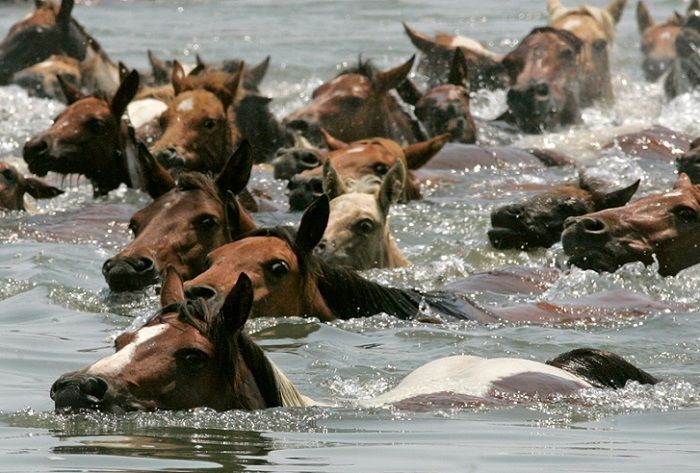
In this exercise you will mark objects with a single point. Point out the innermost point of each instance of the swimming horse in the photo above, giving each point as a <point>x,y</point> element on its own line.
<point>187,356</point>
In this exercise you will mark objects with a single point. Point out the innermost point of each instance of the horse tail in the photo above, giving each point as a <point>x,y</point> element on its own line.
<point>602,369</point>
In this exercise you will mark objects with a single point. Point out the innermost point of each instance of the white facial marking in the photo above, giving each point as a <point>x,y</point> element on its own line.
<point>113,365</point>
<point>186,105</point>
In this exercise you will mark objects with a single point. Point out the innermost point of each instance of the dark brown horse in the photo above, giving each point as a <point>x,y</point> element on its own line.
<point>13,186</point>
<point>186,357</point>
<point>182,225</point>
<point>664,227</point>
<point>544,74</point>
<point>50,30</point>
<point>537,222</point>
<point>685,73</point>
<point>689,163</point>
<point>484,69</point>
<point>356,105</point>
<point>90,138</point>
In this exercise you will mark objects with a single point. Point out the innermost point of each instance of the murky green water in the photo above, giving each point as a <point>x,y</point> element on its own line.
<point>56,313</point>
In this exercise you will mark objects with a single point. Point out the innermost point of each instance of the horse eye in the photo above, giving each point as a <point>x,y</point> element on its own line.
<point>568,54</point>
<point>365,226</point>
<point>685,214</point>
<point>207,264</point>
<point>207,221</point>
<point>96,125</point>
<point>8,175</point>
<point>600,45</point>
<point>209,124</point>
<point>381,168</point>
<point>134,227</point>
<point>193,358</point>
<point>279,268</point>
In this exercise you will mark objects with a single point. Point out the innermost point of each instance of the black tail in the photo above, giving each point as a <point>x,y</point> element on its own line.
<point>601,368</point>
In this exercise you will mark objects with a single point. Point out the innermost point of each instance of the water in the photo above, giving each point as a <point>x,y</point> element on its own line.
<point>57,314</point>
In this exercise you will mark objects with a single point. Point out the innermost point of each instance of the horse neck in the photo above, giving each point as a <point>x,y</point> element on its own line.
<point>393,258</point>
<point>121,168</point>
<point>401,123</point>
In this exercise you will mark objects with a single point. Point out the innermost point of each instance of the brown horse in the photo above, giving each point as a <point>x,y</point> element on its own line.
<point>685,73</point>
<point>50,30</point>
<point>186,357</point>
<point>595,27</point>
<point>483,66</point>
<point>656,143</point>
<point>664,227</point>
<point>544,71</point>
<point>182,225</point>
<point>198,130</point>
<point>356,105</point>
<point>290,280</point>
<point>13,186</point>
<point>41,80</point>
<point>689,163</point>
<point>537,222</point>
<point>90,138</point>
<point>658,40</point>
<point>362,158</point>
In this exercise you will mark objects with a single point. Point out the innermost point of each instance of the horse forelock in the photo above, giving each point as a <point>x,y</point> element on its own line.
<point>363,67</point>
<point>191,181</point>
<point>566,36</point>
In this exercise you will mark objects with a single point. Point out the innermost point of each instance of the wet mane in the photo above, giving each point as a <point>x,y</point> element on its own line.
<point>364,67</point>
<point>191,181</point>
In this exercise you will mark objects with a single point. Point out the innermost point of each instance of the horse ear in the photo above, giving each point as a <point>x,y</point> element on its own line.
<point>418,154</point>
<point>70,91</point>
<point>236,172</point>
<point>616,198</point>
<point>553,5</point>
<point>232,84</point>
<point>177,77</point>
<point>200,66</point>
<point>238,220</point>
<point>333,143</point>
<point>173,290</point>
<point>125,93</point>
<point>615,9</point>
<point>39,189</point>
<point>459,71</point>
<point>255,75</point>
<point>237,306</point>
<point>683,182</point>
<point>333,185</point>
<point>156,178</point>
<point>392,187</point>
<point>313,224</point>
<point>64,13</point>
<point>158,67</point>
<point>421,41</point>
<point>200,62</point>
<point>123,71</point>
<point>385,81</point>
<point>408,92</point>
<point>694,6</point>
<point>644,18</point>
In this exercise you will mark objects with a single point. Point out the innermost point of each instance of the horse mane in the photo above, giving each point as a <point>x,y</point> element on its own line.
<point>364,67</point>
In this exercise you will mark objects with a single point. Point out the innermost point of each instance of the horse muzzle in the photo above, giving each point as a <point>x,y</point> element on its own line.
<point>130,273</point>
<point>77,392</point>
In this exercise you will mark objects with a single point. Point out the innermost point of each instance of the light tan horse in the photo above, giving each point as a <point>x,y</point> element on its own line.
<point>358,233</point>
<point>596,28</point>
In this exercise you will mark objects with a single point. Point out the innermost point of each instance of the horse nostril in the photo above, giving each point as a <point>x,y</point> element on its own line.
<point>143,264</point>
<point>299,125</point>
<point>593,225</point>
<point>309,160</point>
<point>36,148</point>
<point>316,185</point>
<point>542,89</point>
<point>169,158</point>
<point>200,292</point>
<point>94,388</point>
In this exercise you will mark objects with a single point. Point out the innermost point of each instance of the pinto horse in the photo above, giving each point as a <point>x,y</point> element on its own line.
<point>537,222</point>
<point>595,27</point>
<point>13,187</point>
<point>187,356</point>
<point>358,233</point>
<point>50,30</point>
<point>187,220</point>
<point>483,66</point>
<point>664,227</point>
<point>544,73</point>
<point>356,105</point>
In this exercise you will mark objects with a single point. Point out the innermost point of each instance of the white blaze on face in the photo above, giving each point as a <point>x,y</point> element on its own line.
<point>113,365</point>
<point>186,105</point>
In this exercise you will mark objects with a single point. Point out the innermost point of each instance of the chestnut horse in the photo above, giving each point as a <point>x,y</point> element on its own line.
<point>537,221</point>
<point>13,186</point>
<point>362,158</point>
<point>50,30</point>
<point>658,40</point>
<point>483,66</point>
<point>90,138</point>
<point>356,105</point>
<point>685,73</point>
<point>358,233</point>
<point>186,221</point>
<point>544,71</point>
<point>664,227</point>
<point>186,357</point>
<point>595,27</point>
<point>290,280</point>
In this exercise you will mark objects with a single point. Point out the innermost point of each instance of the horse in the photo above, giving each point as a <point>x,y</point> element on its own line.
<point>445,108</point>
<point>198,131</point>
<point>484,69</point>
<point>291,280</point>
<point>365,157</point>
<point>358,233</point>
<point>538,221</point>
<point>187,356</point>
<point>50,30</point>
<point>689,162</point>
<point>544,71</point>
<point>90,138</point>
<point>595,27</point>
<point>684,76</point>
<point>358,104</point>
<point>187,220</point>
<point>662,227</point>
<point>13,187</point>
<point>41,80</point>
<point>658,40</point>
<point>656,143</point>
